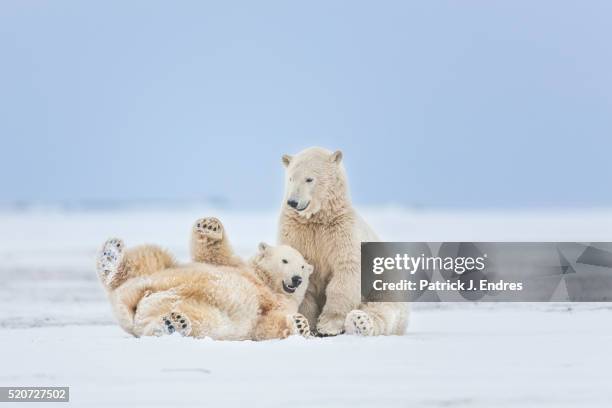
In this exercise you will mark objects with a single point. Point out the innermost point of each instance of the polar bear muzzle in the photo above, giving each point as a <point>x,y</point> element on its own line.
<point>296,281</point>
<point>296,205</point>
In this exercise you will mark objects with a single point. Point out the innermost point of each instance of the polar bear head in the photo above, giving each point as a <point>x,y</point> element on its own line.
<point>284,268</point>
<point>314,178</point>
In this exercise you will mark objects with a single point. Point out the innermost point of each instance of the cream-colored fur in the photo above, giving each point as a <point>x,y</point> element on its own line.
<point>217,296</point>
<point>317,219</point>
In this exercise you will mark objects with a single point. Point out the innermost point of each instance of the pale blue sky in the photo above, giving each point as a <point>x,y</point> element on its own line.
<point>435,103</point>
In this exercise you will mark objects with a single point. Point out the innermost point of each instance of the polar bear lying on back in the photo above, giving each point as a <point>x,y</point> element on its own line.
<point>217,296</point>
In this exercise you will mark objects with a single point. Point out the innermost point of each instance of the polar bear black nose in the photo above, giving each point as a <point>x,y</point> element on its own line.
<point>292,203</point>
<point>296,281</point>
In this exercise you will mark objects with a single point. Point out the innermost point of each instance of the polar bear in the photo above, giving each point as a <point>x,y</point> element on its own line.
<point>217,296</point>
<point>318,220</point>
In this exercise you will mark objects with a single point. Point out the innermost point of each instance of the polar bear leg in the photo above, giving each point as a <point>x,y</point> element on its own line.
<point>375,319</point>
<point>110,263</point>
<point>210,244</point>
<point>171,323</point>
<point>160,313</point>
<point>341,296</point>
<point>310,307</point>
<point>115,264</point>
<point>278,325</point>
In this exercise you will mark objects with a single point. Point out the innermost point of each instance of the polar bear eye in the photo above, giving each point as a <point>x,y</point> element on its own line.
<point>285,261</point>
<point>309,180</point>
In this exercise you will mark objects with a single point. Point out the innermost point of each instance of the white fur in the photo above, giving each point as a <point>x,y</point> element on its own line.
<point>326,229</point>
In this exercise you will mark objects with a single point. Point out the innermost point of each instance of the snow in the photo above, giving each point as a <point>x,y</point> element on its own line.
<point>56,328</point>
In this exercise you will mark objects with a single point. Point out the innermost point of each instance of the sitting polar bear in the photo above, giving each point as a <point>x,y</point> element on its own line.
<point>318,220</point>
<point>217,296</point>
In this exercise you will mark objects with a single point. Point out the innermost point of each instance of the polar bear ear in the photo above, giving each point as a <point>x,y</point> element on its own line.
<point>287,159</point>
<point>263,247</point>
<point>336,156</point>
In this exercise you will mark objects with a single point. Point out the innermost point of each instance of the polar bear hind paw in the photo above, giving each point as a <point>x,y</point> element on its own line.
<point>299,325</point>
<point>359,322</point>
<point>210,228</point>
<point>109,259</point>
<point>176,322</point>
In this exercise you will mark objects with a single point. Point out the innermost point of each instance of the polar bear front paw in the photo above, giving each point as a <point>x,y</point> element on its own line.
<point>109,260</point>
<point>299,324</point>
<point>330,326</point>
<point>176,322</point>
<point>210,228</point>
<point>359,322</point>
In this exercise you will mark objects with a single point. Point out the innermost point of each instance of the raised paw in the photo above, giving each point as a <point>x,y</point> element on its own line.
<point>210,228</point>
<point>359,322</point>
<point>299,325</point>
<point>109,260</point>
<point>176,322</point>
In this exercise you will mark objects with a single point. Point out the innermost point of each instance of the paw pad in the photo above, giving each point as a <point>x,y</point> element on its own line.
<point>176,323</point>
<point>359,322</point>
<point>300,325</point>
<point>109,259</point>
<point>210,228</point>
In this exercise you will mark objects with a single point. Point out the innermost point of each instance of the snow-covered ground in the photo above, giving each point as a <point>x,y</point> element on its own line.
<point>56,328</point>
